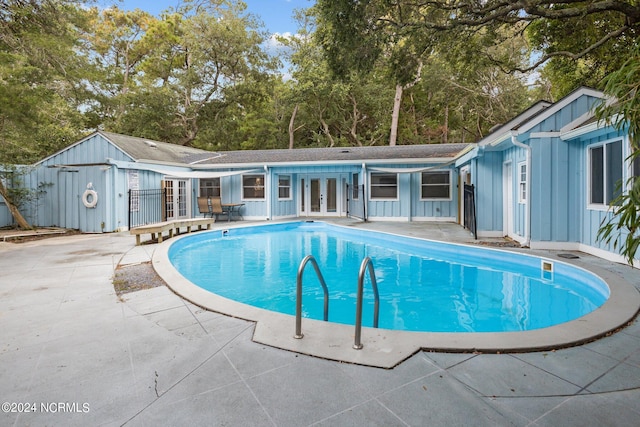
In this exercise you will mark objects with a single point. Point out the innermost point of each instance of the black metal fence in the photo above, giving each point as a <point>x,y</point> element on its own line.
<point>470,221</point>
<point>146,207</point>
<point>356,206</point>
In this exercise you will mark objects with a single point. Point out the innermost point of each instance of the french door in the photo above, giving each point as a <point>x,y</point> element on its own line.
<point>319,196</point>
<point>176,200</point>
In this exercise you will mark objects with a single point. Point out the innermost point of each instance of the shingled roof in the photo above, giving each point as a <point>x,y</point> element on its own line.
<point>335,154</point>
<point>156,151</point>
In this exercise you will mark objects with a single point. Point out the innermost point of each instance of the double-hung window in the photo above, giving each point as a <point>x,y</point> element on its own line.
<point>210,187</point>
<point>355,182</point>
<point>284,187</point>
<point>436,185</point>
<point>253,186</point>
<point>384,185</point>
<point>522,182</point>
<point>605,164</point>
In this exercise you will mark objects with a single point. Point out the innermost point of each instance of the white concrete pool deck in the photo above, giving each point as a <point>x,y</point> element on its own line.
<point>80,356</point>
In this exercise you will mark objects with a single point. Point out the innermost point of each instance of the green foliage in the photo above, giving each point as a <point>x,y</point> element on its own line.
<point>578,55</point>
<point>623,87</point>
<point>41,74</point>
<point>200,74</point>
<point>621,228</point>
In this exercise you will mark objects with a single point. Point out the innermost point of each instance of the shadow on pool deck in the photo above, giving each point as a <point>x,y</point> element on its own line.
<point>156,359</point>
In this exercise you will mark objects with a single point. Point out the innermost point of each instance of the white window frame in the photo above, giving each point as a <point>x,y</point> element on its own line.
<point>522,182</point>
<point>435,199</point>
<point>255,187</point>
<point>201,187</point>
<point>355,184</point>
<point>372,186</point>
<point>603,144</point>
<point>282,187</point>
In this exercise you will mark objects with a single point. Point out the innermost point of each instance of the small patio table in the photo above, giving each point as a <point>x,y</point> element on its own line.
<point>232,208</point>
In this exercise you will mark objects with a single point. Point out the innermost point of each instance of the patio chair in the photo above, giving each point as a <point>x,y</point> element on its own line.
<point>204,206</point>
<point>216,207</point>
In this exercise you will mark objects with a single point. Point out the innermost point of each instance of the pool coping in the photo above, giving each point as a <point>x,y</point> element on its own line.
<point>386,348</point>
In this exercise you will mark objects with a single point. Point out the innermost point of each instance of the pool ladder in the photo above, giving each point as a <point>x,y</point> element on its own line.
<point>367,265</point>
<point>303,264</point>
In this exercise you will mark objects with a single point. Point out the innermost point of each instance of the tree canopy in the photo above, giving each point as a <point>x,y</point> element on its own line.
<point>206,73</point>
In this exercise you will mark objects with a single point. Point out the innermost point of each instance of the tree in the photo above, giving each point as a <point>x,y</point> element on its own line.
<point>325,111</point>
<point>356,37</point>
<point>11,195</point>
<point>470,92</point>
<point>41,72</point>
<point>120,46</point>
<point>42,67</point>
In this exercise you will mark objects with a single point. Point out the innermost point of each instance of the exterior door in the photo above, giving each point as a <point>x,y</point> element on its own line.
<point>320,198</point>
<point>176,202</point>
<point>465,178</point>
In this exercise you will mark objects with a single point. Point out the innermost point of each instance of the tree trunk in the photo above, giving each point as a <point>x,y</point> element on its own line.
<point>22,223</point>
<point>397,100</point>
<point>445,131</point>
<point>325,129</point>
<point>354,124</point>
<point>291,126</point>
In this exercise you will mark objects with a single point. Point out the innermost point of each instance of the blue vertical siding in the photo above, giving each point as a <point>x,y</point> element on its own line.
<point>430,208</point>
<point>593,219</point>
<point>566,115</point>
<point>554,216</point>
<point>5,216</point>
<point>59,201</point>
<point>557,177</point>
<point>486,173</point>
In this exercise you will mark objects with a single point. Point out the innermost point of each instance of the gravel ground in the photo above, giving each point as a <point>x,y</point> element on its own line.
<point>132,278</point>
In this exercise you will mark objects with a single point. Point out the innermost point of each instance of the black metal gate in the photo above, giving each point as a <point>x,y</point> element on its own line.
<point>356,205</point>
<point>470,221</point>
<point>146,207</point>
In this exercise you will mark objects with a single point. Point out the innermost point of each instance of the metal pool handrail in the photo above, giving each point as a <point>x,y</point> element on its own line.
<point>357,345</point>
<point>308,258</point>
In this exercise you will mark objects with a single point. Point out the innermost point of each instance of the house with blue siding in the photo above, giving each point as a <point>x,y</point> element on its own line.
<point>81,187</point>
<point>101,182</point>
<point>544,179</point>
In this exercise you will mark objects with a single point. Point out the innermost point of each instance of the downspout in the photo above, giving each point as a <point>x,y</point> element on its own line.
<point>527,212</point>
<point>267,191</point>
<point>365,183</point>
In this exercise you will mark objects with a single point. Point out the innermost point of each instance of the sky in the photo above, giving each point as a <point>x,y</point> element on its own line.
<point>277,15</point>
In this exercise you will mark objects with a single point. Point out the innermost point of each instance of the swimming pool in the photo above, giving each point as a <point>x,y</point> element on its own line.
<point>424,286</point>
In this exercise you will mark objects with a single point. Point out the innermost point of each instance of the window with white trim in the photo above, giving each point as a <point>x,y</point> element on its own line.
<point>284,187</point>
<point>253,186</point>
<point>210,187</point>
<point>605,173</point>
<point>383,185</point>
<point>522,182</point>
<point>436,185</point>
<point>355,183</point>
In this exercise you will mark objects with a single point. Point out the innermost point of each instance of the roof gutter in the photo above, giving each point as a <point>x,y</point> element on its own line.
<point>352,162</point>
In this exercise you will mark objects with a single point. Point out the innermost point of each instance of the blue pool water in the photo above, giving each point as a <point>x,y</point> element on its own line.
<point>423,285</point>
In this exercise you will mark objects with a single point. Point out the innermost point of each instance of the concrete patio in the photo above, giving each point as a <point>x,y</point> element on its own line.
<point>73,353</point>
